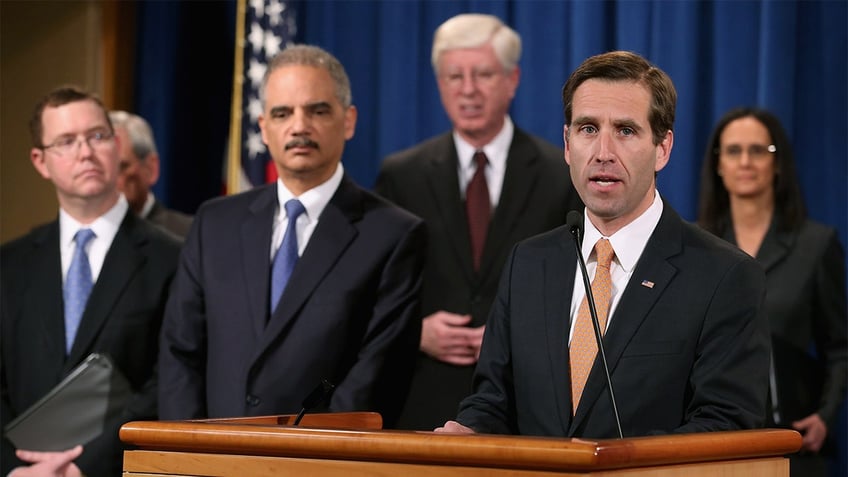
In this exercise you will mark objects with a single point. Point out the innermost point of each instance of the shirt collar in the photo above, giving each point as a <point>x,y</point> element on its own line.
<point>314,200</point>
<point>148,205</point>
<point>104,227</point>
<point>629,241</point>
<point>496,150</point>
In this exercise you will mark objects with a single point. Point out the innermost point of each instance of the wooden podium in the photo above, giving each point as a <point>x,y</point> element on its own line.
<point>352,445</point>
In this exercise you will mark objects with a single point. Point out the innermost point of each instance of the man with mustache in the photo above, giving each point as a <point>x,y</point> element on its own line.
<point>527,191</point>
<point>685,335</point>
<point>96,279</point>
<point>311,278</point>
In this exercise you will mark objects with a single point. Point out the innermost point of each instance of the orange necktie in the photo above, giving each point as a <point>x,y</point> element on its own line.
<point>584,348</point>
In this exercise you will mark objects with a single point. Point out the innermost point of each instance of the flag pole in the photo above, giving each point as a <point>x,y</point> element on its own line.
<point>234,169</point>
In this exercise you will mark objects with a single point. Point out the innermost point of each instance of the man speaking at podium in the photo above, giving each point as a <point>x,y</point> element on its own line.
<point>687,344</point>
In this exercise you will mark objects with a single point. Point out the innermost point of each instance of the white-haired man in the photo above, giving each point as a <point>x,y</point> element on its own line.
<point>139,171</point>
<point>523,185</point>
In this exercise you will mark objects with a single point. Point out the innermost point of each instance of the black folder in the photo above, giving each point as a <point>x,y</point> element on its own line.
<point>75,410</point>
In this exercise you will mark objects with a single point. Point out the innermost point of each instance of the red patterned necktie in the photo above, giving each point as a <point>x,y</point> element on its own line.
<point>478,208</point>
<point>584,348</point>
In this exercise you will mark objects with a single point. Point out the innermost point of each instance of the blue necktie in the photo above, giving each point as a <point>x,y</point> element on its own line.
<point>77,287</point>
<point>286,256</point>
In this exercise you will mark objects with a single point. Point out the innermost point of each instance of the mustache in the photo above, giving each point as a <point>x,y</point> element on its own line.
<point>301,142</point>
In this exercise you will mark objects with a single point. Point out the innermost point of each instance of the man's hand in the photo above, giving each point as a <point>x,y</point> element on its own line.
<point>454,427</point>
<point>813,432</point>
<point>48,464</point>
<point>445,337</point>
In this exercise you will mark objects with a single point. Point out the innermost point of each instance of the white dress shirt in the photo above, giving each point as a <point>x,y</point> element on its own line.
<point>314,201</point>
<point>496,152</point>
<point>104,227</point>
<point>628,243</point>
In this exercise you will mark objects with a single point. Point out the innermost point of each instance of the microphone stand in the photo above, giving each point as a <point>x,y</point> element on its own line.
<point>317,397</point>
<point>575,227</point>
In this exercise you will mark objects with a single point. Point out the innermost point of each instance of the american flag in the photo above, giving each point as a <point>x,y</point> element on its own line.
<point>263,28</point>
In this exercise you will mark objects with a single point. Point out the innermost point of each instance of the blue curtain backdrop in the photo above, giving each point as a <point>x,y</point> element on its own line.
<point>788,56</point>
<point>183,83</point>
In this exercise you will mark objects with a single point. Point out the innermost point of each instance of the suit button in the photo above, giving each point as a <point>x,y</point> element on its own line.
<point>252,400</point>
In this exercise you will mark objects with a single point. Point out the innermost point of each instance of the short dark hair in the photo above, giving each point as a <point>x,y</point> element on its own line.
<point>628,66</point>
<point>59,97</point>
<point>714,206</point>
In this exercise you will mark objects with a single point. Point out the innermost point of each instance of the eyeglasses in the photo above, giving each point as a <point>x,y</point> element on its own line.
<point>755,151</point>
<point>480,78</point>
<point>68,145</point>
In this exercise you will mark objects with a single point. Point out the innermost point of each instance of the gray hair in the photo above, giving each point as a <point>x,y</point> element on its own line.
<point>138,130</point>
<point>472,30</point>
<point>307,55</point>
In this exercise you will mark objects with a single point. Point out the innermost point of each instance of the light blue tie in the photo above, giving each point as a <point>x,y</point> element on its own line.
<point>286,256</point>
<point>77,286</point>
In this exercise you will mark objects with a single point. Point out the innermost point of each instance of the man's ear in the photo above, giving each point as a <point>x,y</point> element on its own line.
<point>152,164</point>
<point>36,155</point>
<point>350,121</point>
<point>664,151</point>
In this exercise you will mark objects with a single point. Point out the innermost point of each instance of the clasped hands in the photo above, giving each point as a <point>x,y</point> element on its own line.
<point>445,337</point>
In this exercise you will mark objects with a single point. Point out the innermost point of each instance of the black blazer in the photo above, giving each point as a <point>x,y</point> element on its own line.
<point>687,346</point>
<point>349,314</point>
<point>536,196</point>
<point>173,221</point>
<point>806,307</point>
<point>122,319</point>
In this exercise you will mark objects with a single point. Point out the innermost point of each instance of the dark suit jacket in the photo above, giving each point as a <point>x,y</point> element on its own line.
<point>350,313</point>
<point>806,307</point>
<point>173,221</point>
<point>687,346</point>
<point>122,319</point>
<point>536,197</point>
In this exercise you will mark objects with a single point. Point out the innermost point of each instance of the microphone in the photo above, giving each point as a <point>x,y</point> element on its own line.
<point>574,221</point>
<point>317,397</point>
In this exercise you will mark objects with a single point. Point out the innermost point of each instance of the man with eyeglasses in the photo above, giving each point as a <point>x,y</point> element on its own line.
<point>481,188</point>
<point>94,280</point>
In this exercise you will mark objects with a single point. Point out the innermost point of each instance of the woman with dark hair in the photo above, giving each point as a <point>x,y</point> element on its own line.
<point>750,196</point>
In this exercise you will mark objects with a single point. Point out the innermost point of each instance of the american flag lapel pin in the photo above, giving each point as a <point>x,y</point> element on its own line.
<point>647,284</point>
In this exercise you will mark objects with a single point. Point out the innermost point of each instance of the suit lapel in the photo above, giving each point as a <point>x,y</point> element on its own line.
<point>332,236</point>
<point>123,260</point>
<point>43,300</point>
<point>776,245</point>
<point>520,179</point>
<point>557,300</point>
<point>635,303</point>
<point>155,211</point>
<point>255,249</point>
<point>444,184</point>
